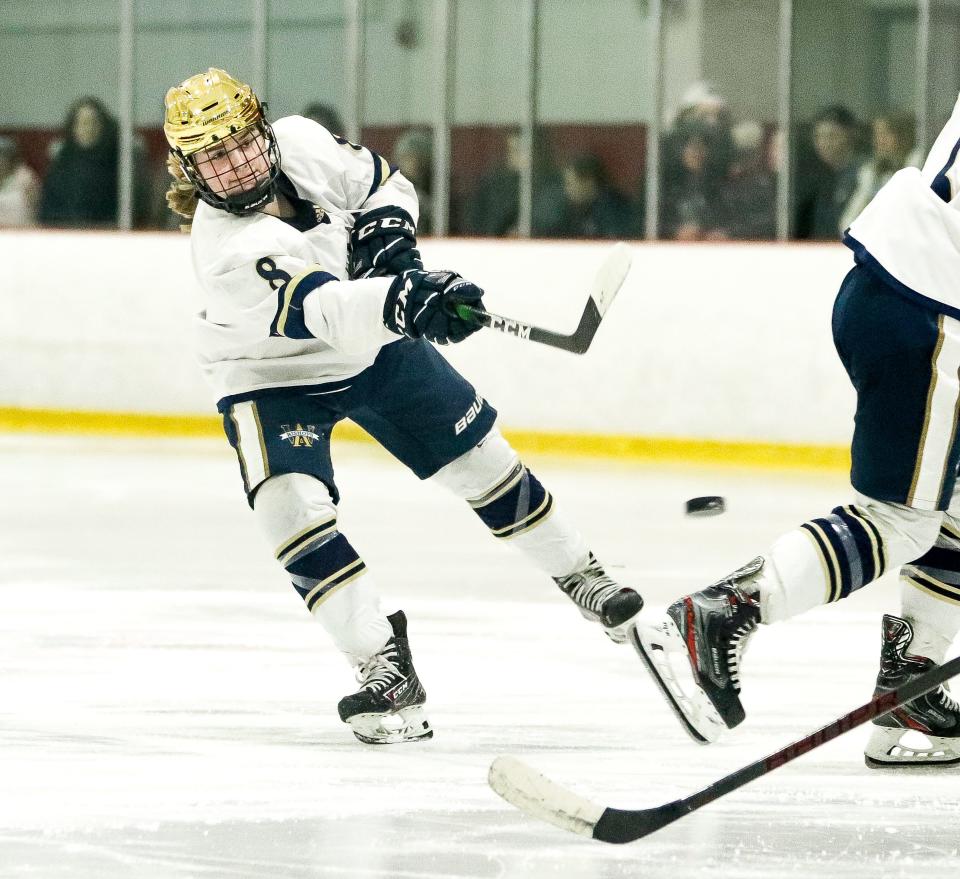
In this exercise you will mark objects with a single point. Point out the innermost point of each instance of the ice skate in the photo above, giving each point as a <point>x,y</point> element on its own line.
<point>694,653</point>
<point>601,599</point>
<point>388,707</point>
<point>923,732</point>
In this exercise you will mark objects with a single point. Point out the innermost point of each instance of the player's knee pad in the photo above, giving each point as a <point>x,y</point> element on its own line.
<point>475,472</point>
<point>506,496</point>
<point>514,505</point>
<point>905,533</point>
<point>299,517</point>
<point>937,571</point>
<point>858,542</point>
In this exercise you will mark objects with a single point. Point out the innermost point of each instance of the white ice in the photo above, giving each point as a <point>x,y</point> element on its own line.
<point>167,706</point>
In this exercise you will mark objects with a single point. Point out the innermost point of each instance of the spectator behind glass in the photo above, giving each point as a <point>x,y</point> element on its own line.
<point>80,188</point>
<point>750,194</point>
<point>592,207</point>
<point>827,180</point>
<point>894,147</point>
<point>326,115</point>
<point>19,188</point>
<point>697,152</point>
<point>695,174</point>
<point>413,155</point>
<point>702,104</point>
<point>493,209</point>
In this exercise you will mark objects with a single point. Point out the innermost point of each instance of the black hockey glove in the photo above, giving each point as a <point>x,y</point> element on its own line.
<point>422,305</point>
<point>383,242</point>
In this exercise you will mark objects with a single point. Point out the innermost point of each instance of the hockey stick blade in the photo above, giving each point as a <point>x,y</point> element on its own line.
<point>539,797</point>
<point>608,281</point>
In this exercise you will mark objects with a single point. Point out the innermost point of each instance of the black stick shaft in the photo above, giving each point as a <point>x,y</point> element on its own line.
<point>577,342</point>
<point>877,706</point>
<point>626,825</point>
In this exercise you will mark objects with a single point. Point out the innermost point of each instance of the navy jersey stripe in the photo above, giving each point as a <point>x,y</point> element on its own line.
<point>866,259</point>
<point>941,183</point>
<point>378,164</point>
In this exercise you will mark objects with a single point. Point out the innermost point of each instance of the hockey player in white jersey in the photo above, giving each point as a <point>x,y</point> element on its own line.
<point>896,326</point>
<point>317,308</point>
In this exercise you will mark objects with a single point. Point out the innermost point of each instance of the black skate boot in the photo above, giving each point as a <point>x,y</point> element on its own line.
<point>601,599</point>
<point>710,629</point>
<point>388,707</point>
<point>934,716</point>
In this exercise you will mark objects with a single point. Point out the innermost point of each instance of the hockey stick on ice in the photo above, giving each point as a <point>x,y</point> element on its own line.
<point>542,798</point>
<point>608,281</point>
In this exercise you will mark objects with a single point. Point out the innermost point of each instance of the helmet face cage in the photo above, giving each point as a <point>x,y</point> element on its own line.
<point>243,156</point>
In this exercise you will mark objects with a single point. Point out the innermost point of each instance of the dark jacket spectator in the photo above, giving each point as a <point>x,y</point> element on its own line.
<point>326,115</point>
<point>493,209</point>
<point>827,177</point>
<point>413,156</point>
<point>80,188</point>
<point>750,193</point>
<point>592,208</point>
<point>695,165</point>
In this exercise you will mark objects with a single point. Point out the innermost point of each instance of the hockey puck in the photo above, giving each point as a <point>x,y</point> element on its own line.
<point>710,505</point>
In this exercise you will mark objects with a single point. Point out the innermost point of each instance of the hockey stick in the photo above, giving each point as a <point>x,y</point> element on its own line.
<point>542,798</point>
<point>608,281</point>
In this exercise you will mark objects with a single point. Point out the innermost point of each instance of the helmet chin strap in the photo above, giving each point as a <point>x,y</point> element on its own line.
<point>243,203</point>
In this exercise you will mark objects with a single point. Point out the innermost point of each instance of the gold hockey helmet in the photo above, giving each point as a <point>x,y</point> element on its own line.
<point>206,108</point>
<point>213,108</point>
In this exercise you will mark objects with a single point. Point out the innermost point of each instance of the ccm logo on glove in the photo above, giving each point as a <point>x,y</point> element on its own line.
<point>383,242</point>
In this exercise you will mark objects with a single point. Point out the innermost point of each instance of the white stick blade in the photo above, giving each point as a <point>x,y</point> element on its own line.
<point>539,797</point>
<point>611,275</point>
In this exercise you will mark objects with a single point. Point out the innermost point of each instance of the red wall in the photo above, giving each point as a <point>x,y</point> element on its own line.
<point>474,148</point>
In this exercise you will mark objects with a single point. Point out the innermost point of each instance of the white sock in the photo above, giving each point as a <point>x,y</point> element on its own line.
<point>935,622</point>
<point>554,546</point>
<point>792,579</point>
<point>797,574</point>
<point>353,619</point>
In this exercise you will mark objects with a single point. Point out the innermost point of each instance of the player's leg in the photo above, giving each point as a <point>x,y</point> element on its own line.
<point>433,420</point>
<point>904,454</point>
<point>925,731</point>
<point>283,447</point>
<point>514,505</point>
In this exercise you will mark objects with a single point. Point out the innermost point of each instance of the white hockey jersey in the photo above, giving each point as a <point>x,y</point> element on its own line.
<point>234,258</point>
<point>910,232</point>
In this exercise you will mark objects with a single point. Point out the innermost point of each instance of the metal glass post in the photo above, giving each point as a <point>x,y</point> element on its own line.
<point>125,112</point>
<point>922,109</point>
<point>784,86</point>
<point>528,125</point>
<point>258,48</point>
<point>654,128</point>
<point>445,15</point>
<point>353,59</point>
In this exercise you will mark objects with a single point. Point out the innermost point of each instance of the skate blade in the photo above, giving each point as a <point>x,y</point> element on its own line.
<point>887,749</point>
<point>405,725</point>
<point>655,644</point>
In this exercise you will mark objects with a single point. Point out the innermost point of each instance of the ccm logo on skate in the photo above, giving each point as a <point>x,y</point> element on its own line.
<point>398,691</point>
<point>468,419</point>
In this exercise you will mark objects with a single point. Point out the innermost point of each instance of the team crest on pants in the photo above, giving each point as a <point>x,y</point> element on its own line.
<point>300,435</point>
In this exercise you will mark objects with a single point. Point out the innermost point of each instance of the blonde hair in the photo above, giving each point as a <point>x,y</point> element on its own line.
<point>182,194</point>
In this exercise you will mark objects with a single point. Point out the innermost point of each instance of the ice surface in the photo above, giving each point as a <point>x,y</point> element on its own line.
<point>167,707</point>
